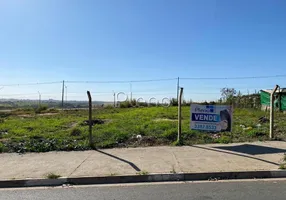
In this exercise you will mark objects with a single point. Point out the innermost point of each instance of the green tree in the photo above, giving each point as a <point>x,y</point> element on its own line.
<point>228,94</point>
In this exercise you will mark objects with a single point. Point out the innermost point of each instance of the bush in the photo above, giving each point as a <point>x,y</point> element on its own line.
<point>2,147</point>
<point>75,132</point>
<point>41,108</point>
<point>170,134</point>
<point>255,133</point>
<point>224,139</point>
<point>21,111</point>
<point>121,137</point>
<point>174,102</point>
<point>109,106</point>
<point>53,110</point>
<point>125,104</point>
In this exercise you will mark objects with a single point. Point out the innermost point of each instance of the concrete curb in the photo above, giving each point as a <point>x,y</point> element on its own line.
<point>143,178</point>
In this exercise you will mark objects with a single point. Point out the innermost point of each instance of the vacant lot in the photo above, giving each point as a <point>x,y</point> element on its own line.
<point>25,131</point>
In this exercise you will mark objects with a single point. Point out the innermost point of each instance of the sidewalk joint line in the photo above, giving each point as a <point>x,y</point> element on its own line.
<point>80,164</point>
<point>176,160</point>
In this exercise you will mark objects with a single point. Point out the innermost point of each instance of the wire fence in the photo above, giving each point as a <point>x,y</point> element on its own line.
<point>150,91</point>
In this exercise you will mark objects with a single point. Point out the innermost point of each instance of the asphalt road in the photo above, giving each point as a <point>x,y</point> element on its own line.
<point>254,190</point>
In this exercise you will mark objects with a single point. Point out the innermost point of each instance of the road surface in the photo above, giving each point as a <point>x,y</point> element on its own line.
<point>242,190</point>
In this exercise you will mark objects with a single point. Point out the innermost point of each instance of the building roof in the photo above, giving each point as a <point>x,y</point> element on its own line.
<point>281,90</point>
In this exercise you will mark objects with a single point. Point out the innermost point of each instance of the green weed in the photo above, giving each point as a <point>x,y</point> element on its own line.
<point>41,108</point>
<point>142,173</point>
<point>52,176</point>
<point>173,171</point>
<point>224,139</point>
<point>282,166</point>
<point>75,132</point>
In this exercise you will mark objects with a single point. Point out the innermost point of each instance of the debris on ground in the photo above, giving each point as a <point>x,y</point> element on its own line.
<point>139,137</point>
<point>242,126</point>
<point>263,119</point>
<point>93,122</point>
<point>247,128</point>
<point>215,136</point>
<point>258,125</point>
<point>135,141</point>
<point>5,132</point>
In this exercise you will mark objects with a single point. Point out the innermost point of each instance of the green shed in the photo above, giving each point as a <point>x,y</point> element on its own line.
<point>279,99</point>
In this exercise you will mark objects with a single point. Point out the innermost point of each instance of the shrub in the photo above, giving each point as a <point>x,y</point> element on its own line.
<point>170,134</point>
<point>109,106</point>
<point>53,110</point>
<point>174,102</point>
<point>255,133</point>
<point>2,147</point>
<point>224,139</point>
<point>75,132</point>
<point>121,137</point>
<point>41,108</point>
<point>125,104</point>
<point>142,104</point>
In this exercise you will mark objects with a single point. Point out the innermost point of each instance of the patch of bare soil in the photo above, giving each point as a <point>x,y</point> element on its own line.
<point>33,115</point>
<point>47,114</point>
<point>74,124</point>
<point>26,116</point>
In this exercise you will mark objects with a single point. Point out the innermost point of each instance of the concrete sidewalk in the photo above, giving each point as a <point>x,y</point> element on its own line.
<point>130,161</point>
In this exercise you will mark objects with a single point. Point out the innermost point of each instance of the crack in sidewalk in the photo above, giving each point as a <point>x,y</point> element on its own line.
<point>80,164</point>
<point>176,160</point>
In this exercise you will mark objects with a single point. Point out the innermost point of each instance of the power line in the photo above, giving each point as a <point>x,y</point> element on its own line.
<point>147,80</point>
<point>231,78</point>
<point>27,84</point>
<point>132,81</point>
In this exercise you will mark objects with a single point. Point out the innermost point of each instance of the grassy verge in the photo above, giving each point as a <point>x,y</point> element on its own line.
<point>67,130</point>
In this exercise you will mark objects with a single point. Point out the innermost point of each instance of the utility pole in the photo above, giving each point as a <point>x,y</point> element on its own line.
<point>114,104</point>
<point>178,88</point>
<point>180,116</point>
<point>63,94</point>
<point>130,92</point>
<point>66,87</point>
<point>39,98</point>
<point>272,111</point>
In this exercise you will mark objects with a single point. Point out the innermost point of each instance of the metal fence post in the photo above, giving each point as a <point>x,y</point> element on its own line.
<point>180,116</point>
<point>90,120</point>
<point>272,111</point>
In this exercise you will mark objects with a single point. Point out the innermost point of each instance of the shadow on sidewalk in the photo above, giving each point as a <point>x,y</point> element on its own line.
<point>237,154</point>
<point>126,161</point>
<point>252,149</point>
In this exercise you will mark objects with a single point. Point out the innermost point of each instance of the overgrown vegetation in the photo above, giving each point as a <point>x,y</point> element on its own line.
<point>142,173</point>
<point>25,131</point>
<point>283,164</point>
<point>52,176</point>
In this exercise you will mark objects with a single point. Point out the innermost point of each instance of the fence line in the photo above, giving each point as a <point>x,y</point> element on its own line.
<point>195,90</point>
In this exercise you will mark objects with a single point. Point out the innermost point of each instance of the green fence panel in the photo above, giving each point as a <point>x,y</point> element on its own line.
<point>265,98</point>
<point>283,102</point>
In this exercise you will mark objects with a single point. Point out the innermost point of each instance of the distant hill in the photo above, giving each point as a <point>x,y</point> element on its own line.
<point>28,103</point>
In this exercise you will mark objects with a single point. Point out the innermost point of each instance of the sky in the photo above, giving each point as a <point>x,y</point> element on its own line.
<point>130,40</point>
